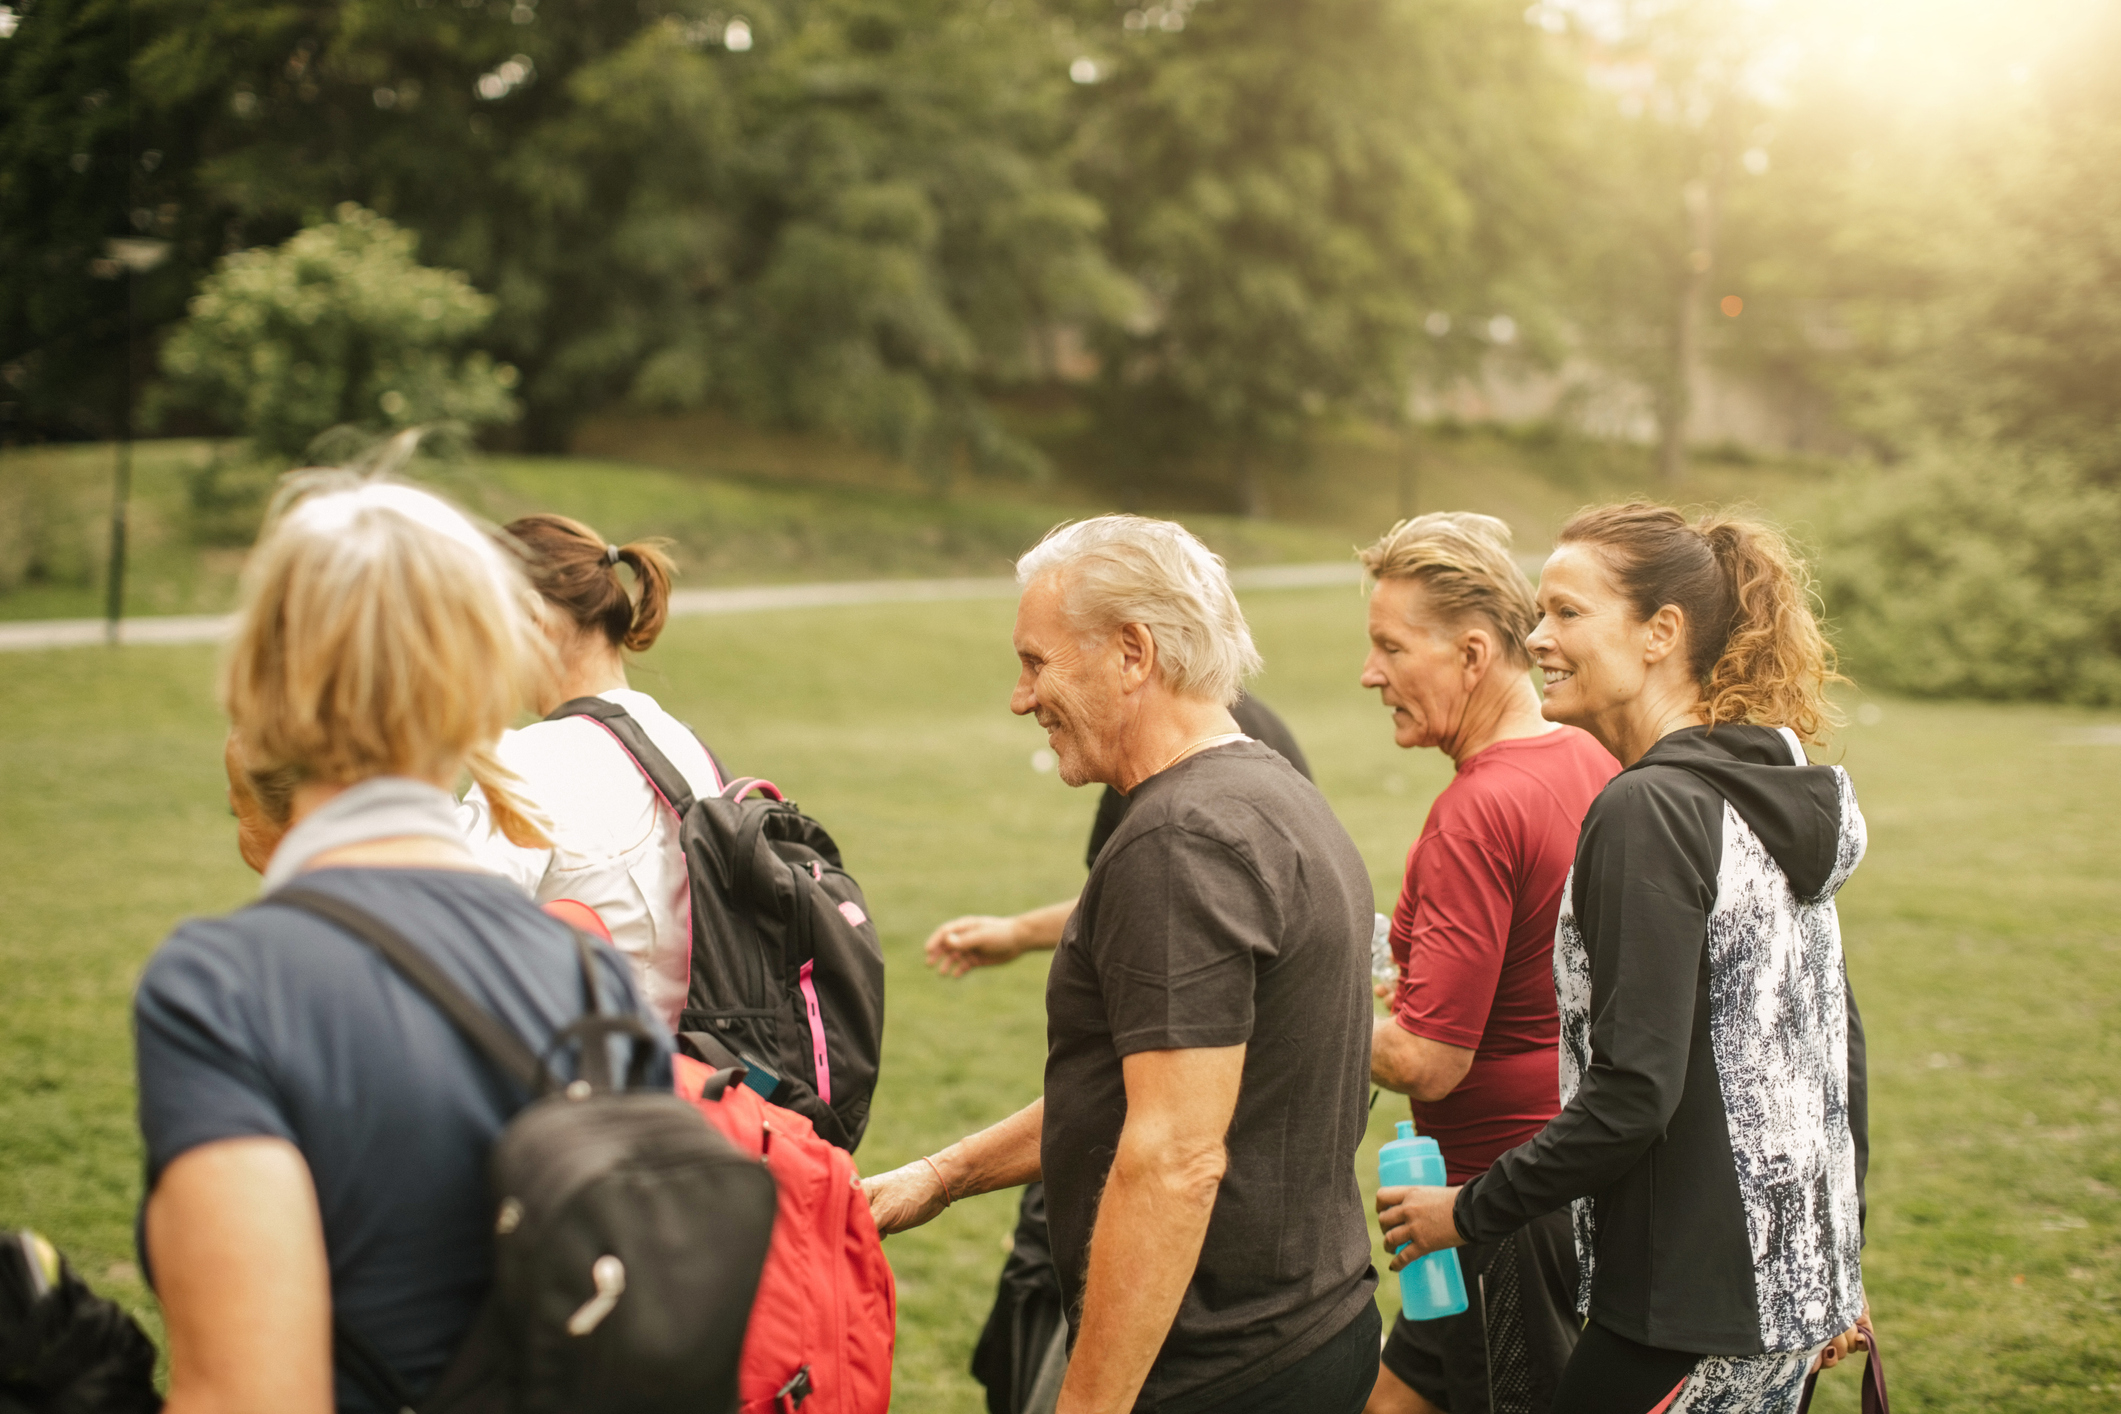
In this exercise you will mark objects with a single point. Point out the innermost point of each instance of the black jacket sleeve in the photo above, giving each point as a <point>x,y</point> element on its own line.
<point>1644,886</point>
<point>1859,1100</point>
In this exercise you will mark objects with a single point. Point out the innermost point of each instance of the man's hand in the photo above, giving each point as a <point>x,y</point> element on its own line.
<point>977,940</point>
<point>905,1197</point>
<point>1000,1156</point>
<point>982,940</point>
<point>1419,1218</point>
<point>1844,1345</point>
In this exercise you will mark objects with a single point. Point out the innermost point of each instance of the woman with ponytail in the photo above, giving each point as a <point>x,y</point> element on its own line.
<point>613,843</point>
<point>316,1130</point>
<point>1712,1139</point>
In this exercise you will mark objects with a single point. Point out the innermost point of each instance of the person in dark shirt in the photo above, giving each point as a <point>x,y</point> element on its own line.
<point>1022,1352</point>
<point>316,1131</point>
<point>1207,1014</point>
<point>1471,1035</point>
<point>1711,1141</point>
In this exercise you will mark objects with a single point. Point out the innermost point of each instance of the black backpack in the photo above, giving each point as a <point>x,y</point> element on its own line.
<point>628,1234</point>
<point>787,973</point>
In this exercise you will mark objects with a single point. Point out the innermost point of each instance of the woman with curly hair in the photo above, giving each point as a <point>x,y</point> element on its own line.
<point>1712,1137</point>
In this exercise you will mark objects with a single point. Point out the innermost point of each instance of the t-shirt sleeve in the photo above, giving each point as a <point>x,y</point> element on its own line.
<point>1452,926</point>
<point>1183,922</point>
<point>201,1078</point>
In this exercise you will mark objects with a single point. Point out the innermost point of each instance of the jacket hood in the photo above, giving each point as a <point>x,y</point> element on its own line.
<point>1795,810</point>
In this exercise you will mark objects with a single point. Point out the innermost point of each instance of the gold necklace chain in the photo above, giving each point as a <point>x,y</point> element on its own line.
<point>1204,744</point>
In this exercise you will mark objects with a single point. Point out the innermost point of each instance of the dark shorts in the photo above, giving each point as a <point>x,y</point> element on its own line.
<point>1505,1353</point>
<point>1336,1378</point>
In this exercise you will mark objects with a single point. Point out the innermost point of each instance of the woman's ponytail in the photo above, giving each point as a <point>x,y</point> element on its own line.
<point>519,822</point>
<point>1776,664</point>
<point>651,603</point>
<point>578,573</point>
<point>1752,639</point>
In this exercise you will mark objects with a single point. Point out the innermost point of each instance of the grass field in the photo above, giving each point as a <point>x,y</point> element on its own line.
<point>1984,937</point>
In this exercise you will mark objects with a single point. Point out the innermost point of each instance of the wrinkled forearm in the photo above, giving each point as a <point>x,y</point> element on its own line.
<point>1003,1155</point>
<point>1415,1066</point>
<point>1151,1223</point>
<point>1041,928</point>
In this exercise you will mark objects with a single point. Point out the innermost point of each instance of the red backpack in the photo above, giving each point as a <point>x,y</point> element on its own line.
<point>820,1336</point>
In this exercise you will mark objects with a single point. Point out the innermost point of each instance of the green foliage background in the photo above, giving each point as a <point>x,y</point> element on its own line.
<point>340,327</point>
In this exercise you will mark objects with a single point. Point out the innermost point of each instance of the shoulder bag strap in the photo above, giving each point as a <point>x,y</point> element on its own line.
<point>668,780</point>
<point>495,1041</point>
<point>1874,1397</point>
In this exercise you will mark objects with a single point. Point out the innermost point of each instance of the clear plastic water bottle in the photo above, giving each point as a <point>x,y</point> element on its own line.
<point>1383,970</point>
<point>1433,1286</point>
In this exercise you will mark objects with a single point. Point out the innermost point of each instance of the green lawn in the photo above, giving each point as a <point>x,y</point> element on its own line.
<point>1982,935</point>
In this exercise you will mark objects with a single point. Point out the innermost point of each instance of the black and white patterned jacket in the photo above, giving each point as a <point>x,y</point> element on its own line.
<point>1712,1137</point>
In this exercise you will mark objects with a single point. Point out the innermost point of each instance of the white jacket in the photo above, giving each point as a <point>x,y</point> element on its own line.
<point>615,845</point>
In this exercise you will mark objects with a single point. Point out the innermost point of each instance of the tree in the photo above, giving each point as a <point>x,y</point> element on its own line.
<point>1678,114</point>
<point>70,182</point>
<point>340,327</point>
<point>831,213</point>
<point>1297,191</point>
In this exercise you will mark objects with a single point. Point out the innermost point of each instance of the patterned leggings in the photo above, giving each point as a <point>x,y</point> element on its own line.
<point>1610,1374</point>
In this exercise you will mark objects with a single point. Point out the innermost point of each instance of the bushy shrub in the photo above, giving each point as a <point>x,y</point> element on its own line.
<point>1983,574</point>
<point>338,327</point>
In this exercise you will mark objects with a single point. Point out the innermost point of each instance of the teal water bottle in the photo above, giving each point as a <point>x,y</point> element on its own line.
<point>1432,1286</point>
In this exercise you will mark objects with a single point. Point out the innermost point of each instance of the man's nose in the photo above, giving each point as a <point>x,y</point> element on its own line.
<point>1022,700</point>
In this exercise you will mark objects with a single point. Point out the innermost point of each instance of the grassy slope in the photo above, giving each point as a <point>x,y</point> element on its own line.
<point>751,507</point>
<point>1980,936</point>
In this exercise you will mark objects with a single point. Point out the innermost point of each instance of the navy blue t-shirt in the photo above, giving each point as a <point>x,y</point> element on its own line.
<point>273,1022</point>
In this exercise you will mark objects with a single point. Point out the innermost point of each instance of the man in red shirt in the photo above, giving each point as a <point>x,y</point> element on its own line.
<point>1472,1034</point>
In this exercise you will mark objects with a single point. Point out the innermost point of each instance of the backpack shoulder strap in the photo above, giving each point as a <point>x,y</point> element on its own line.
<point>668,780</point>
<point>497,1042</point>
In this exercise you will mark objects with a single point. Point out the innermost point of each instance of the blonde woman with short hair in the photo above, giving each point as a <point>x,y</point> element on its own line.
<point>316,1131</point>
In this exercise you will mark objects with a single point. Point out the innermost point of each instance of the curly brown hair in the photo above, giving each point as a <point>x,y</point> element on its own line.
<point>1753,640</point>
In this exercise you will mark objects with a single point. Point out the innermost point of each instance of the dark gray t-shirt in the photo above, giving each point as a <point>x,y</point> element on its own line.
<point>1229,908</point>
<point>273,1023</point>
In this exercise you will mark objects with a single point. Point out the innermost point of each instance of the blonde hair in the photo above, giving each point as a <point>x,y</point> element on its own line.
<point>381,633</point>
<point>1462,562</point>
<point>1753,642</point>
<point>1122,569</point>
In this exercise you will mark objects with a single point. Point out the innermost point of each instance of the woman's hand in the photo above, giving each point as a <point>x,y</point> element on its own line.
<point>1844,1345</point>
<point>977,940</point>
<point>905,1197</point>
<point>1417,1221</point>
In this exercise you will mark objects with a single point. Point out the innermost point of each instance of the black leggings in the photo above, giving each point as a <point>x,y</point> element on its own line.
<point>1610,1374</point>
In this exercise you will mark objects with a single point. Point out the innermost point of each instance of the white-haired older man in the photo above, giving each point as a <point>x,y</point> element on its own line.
<point>1208,1019</point>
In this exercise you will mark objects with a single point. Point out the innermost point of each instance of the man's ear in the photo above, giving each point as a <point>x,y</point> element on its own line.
<point>1137,655</point>
<point>1663,633</point>
<point>1476,653</point>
